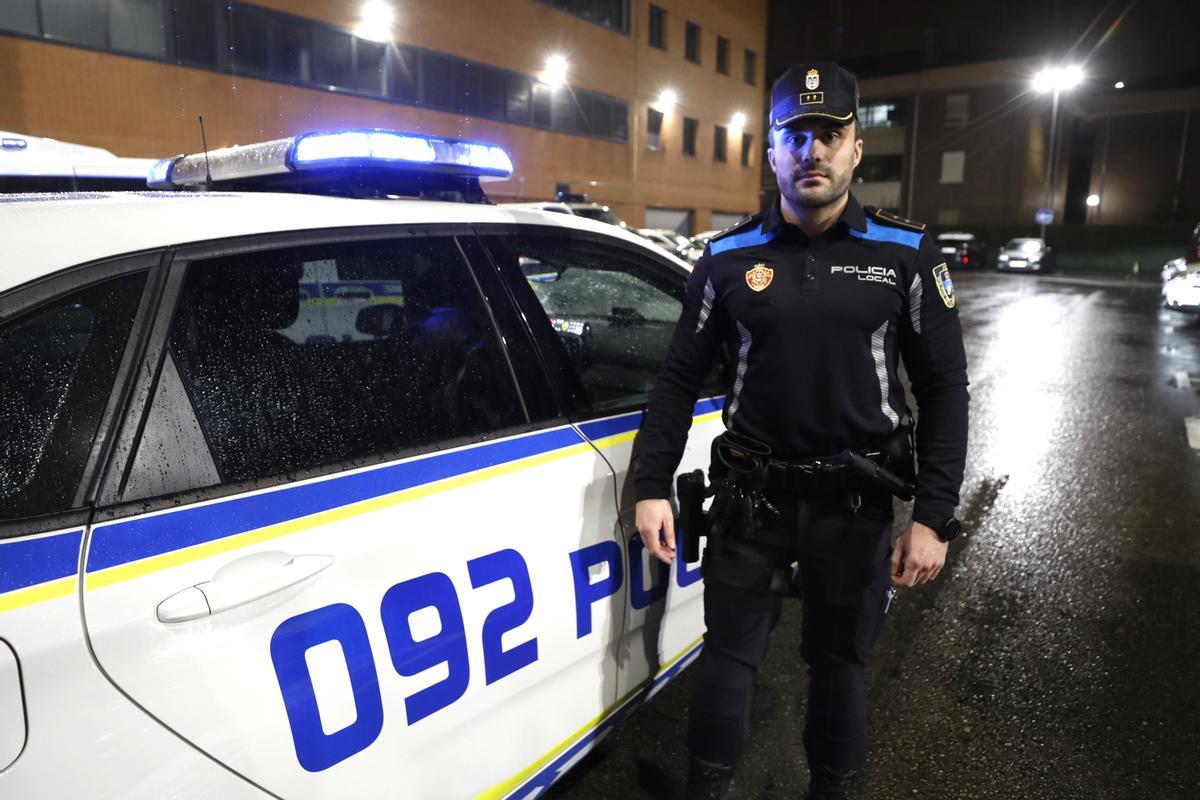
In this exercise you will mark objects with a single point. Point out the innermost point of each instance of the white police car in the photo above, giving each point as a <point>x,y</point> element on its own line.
<point>1182,292</point>
<point>326,497</point>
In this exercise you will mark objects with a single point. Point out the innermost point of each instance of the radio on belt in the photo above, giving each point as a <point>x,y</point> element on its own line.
<point>354,163</point>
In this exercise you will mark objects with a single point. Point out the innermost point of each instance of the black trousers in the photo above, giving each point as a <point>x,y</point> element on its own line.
<point>844,558</point>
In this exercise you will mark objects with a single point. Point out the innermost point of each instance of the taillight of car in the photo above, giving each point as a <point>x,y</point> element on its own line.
<point>966,260</point>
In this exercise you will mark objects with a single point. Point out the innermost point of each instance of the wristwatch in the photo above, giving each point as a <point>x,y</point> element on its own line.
<point>948,531</point>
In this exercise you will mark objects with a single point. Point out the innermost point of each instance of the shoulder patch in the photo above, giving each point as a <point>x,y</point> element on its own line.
<point>888,218</point>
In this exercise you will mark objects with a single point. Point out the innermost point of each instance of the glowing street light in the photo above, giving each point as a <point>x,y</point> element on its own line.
<point>554,74</point>
<point>667,99</point>
<point>1055,80</point>
<point>1093,200</point>
<point>1119,85</point>
<point>738,121</point>
<point>376,21</point>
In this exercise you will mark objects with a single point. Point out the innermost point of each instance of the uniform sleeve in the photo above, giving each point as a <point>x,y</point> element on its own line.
<point>931,345</point>
<point>668,418</point>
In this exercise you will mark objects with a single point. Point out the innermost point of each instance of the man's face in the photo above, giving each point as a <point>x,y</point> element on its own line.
<point>814,160</point>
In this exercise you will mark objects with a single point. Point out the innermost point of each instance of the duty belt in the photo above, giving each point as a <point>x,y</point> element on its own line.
<point>846,470</point>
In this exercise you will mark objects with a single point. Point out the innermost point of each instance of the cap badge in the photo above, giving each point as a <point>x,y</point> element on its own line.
<point>812,79</point>
<point>759,277</point>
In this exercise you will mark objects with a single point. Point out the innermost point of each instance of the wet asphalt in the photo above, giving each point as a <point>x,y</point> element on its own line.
<point>1058,654</point>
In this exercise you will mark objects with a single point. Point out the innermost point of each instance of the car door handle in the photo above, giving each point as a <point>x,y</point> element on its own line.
<point>241,581</point>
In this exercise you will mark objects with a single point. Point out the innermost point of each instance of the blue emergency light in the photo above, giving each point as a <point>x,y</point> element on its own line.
<point>354,162</point>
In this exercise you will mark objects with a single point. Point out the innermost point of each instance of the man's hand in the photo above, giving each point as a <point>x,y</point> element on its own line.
<point>654,516</point>
<point>918,556</point>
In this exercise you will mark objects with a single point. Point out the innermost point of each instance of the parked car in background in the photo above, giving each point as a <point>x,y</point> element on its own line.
<point>36,164</point>
<point>1182,292</point>
<point>961,249</point>
<point>1173,269</point>
<point>1193,256</point>
<point>674,243</point>
<point>596,211</point>
<point>698,243</point>
<point>1026,255</point>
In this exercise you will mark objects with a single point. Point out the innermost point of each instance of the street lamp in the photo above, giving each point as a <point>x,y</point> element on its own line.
<point>666,100</point>
<point>376,21</point>
<point>1055,80</point>
<point>554,74</point>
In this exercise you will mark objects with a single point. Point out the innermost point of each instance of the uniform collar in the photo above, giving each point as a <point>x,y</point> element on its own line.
<point>852,215</point>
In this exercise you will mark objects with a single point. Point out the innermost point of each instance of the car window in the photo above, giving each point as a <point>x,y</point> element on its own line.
<point>613,310</point>
<point>59,363</point>
<point>312,356</point>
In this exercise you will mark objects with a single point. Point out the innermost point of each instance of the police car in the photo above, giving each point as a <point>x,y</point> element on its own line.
<point>326,496</point>
<point>1182,292</point>
<point>37,164</point>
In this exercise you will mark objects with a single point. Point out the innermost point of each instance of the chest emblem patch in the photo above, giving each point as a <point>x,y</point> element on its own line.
<point>945,286</point>
<point>759,277</point>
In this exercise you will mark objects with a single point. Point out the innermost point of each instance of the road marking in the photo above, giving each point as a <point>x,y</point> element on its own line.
<point>1193,431</point>
<point>1183,380</point>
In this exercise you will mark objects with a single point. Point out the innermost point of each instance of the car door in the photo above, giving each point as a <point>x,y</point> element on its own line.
<point>344,564</point>
<point>67,345</point>
<point>608,309</point>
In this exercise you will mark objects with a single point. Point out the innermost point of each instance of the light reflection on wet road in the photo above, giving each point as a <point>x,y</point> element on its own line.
<point>1058,656</point>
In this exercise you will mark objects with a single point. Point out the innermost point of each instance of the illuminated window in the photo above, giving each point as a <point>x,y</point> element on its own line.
<point>878,115</point>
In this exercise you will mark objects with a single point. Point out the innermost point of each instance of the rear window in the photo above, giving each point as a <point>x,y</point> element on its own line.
<point>59,363</point>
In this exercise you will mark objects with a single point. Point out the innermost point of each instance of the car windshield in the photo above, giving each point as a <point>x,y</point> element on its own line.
<point>1028,245</point>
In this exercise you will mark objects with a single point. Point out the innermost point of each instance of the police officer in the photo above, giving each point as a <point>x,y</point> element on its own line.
<point>816,300</point>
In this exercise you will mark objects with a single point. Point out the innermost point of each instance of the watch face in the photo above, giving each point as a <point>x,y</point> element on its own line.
<point>950,530</point>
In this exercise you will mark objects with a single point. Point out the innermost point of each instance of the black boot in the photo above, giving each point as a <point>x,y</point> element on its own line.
<point>707,781</point>
<point>825,784</point>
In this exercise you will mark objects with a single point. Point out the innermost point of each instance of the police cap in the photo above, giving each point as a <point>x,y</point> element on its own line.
<point>819,89</point>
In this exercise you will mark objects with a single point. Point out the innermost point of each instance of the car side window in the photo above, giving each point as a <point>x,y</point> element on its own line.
<point>58,364</point>
<point>307,357</point>
<point>614,311</point>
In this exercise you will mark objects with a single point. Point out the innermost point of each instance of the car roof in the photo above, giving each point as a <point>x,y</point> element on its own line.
<point>49,232</point>
<point>951,236</point>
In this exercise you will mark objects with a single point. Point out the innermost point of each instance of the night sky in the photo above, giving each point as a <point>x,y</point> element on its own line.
<point>1149,44</point>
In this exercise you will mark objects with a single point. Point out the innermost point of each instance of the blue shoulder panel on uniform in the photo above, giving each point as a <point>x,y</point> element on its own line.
<point>749,238</point>
<point>886,233</point>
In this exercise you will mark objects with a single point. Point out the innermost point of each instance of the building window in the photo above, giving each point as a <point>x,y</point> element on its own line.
<point>248,40</point>
<point>878,115</point>
<point>200,35</point>
<point>612,14</point>
<point>690,127</point>
<point>747,147</point>
<point>751,67</point>
<point>19,16</point>
<point>948,216</point>
<point>957,106</point>
<point>722,55</point>
<point>654,121</point>
<point>658,24</point>
<point>953,162</point>
<point>719,136</point>
<point>691,46</point>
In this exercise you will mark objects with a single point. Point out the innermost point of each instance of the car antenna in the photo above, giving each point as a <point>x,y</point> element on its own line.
<point>204,144</point>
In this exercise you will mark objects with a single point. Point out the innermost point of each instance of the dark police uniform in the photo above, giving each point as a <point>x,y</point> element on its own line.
<point>815,330</point>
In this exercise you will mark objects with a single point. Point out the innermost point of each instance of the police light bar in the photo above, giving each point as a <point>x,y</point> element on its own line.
<point>377,159</point>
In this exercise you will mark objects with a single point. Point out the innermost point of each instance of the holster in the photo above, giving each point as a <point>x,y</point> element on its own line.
<point>693,522</point>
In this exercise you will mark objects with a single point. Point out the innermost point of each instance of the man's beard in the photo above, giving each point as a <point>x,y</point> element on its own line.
<point>838,186</point>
